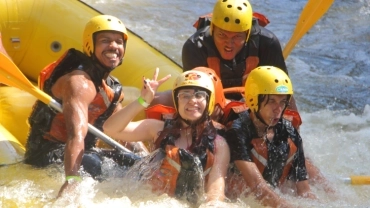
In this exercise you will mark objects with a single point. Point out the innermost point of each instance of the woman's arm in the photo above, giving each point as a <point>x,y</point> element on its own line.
<point>120,125</point>
<point>215,186</point>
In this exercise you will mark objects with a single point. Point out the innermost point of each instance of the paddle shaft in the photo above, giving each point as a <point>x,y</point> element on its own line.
<point>311,13</point>
<point>92,129</point>
<point>12,76</point>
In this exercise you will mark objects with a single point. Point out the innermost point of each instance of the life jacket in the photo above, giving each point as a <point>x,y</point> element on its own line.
<point>233,108</point>
<point>274,160</point>
<point>166,178</point>
<point>109,95</point>
<point>260,156</point>
<point>251,61</point>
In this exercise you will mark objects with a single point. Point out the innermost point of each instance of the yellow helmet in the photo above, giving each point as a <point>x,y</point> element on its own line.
<point>232,15</point>
<point>97,24</point>
<point>266,80</point>
<point>195,79</point>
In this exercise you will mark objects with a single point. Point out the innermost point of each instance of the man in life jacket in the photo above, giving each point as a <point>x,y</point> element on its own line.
<point>82,83</point>
<point>192,150</point>
<point>265,147</point>
<point>232,41</point>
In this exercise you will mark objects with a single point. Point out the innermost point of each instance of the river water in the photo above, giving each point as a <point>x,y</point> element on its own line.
<point>329,68</point>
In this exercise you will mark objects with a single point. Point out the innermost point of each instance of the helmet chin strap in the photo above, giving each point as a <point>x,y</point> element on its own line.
<point>258,116</point>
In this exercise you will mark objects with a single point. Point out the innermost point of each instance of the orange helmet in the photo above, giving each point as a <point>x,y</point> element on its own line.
<point>219,94</point>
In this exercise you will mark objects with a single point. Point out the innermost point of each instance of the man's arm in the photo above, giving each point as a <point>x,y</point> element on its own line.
<point>258,185</point>
<point>271,53</point>
<point>192,55</point>
<point>240,154</point>
<point>76,91</point>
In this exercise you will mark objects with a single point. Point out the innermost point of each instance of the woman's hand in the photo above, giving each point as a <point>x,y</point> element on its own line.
<point>150,86</point>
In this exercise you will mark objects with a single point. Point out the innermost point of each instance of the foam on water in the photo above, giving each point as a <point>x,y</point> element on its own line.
<point>330,70</point>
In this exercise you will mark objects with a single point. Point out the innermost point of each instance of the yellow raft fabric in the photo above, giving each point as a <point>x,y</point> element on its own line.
<point>34,37</point>
<point>11,151</point>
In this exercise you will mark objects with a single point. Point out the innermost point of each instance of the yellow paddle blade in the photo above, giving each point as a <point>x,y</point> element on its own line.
<point>360,180</point>
<point>311,13</point>
<point>12,76</point>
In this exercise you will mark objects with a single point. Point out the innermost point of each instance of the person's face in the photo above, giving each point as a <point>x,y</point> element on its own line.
<point>109,48</point>
<point>272,108</point>
<point>191,104</point>
<point>228,43</point>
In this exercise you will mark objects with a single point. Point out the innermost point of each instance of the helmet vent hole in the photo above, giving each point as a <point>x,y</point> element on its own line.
<point>226,19</point>
<point>286,81</point>
<point>239,8</point>
<point>245,4</point>
<point>237,21</point>
<point>276,81</point>
<point>229,6</point>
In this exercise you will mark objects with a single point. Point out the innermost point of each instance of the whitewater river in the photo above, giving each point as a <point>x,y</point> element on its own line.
<point>330,71</point>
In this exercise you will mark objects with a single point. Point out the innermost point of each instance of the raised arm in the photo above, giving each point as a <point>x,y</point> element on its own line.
<point>120,125</point>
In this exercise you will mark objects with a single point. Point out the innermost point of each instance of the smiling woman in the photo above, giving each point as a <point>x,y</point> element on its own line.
<point>189,143</point>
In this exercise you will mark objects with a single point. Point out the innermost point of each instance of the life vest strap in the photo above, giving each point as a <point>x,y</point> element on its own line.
<point>259,157</point>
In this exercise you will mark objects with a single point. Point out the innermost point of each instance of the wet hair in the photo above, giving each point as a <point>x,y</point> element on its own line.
<point>201,132</point>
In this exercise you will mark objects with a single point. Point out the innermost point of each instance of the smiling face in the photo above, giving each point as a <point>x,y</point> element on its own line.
<point>228,43</point>
<point>272,107</point>
<point>109,48</point>
<point>191,103</point>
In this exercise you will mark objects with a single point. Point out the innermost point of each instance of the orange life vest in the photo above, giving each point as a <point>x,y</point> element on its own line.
<point>260,156</point>
<point>100,108</point>
<point>164,179</point>
<point>235,183</point>
<point>252,60</point>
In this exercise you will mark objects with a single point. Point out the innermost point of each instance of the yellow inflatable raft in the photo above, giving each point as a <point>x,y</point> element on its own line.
<point>36,33</point>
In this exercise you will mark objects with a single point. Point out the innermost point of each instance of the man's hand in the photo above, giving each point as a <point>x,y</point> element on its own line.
<point>68,187</point>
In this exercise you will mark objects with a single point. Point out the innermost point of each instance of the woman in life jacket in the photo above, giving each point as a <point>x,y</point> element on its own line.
<point>266,148</point>
<point>189,141</point>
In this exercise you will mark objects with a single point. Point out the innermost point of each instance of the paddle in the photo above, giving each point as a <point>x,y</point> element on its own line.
<point>358,180</point>
<point>12,76</point>
<point>311,13</point>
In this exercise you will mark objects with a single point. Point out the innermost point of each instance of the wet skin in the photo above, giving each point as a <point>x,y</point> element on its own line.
<point>228,43</point>
<point>191,109</point>
<point>109,48</point>
<point>272,108</point>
